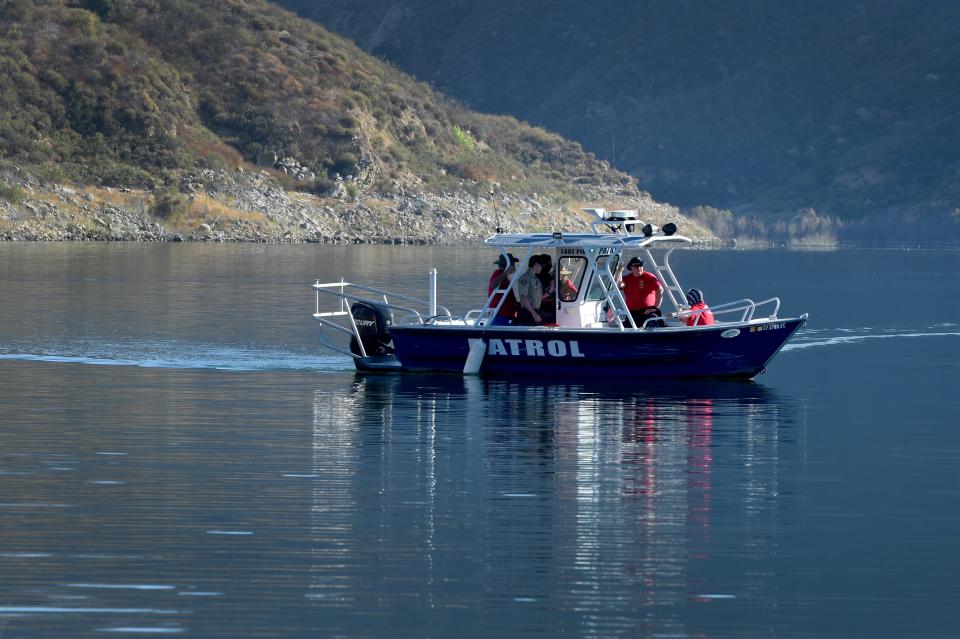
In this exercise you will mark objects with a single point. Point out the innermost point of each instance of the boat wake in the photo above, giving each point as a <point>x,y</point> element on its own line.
<point>178,355</point>
<point>187,355</point>
<point>809,338</point>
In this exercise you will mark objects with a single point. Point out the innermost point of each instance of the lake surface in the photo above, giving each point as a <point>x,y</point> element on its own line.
<point>177,457</point>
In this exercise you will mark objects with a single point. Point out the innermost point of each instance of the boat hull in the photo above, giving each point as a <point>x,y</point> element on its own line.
<point>725,350</point>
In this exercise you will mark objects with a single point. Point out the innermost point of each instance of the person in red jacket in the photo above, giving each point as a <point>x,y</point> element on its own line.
<point>700,314</point>
<point>642,291</point>
<point>500,280</point>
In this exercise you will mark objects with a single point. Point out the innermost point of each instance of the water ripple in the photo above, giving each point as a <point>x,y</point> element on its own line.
<point>175,354</point>
<point>833,337</point>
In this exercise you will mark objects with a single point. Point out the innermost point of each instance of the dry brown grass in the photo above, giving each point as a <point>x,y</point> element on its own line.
<point>206,210</point>
<point>120,199</point>
<point>305,198</point>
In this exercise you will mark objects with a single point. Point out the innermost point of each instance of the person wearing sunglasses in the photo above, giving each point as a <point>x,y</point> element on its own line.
<point>642,291</point>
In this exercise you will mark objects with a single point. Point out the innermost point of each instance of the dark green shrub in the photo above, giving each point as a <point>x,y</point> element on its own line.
<point>106,9</point>
<point>117,175</point>
<point>12,194</point>
<point>321,185</point>
<point>167,203</point>
<point>345,163</point>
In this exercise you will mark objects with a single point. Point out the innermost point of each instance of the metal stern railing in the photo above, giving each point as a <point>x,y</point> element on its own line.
<point>347,292</point>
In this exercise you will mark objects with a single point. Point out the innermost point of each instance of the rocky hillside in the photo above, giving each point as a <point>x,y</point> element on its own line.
<point>848,109</point>
<point>249,206</point>
<point>237,120</point>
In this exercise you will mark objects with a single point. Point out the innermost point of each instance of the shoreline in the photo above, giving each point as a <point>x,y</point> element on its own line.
<point>249,207</point>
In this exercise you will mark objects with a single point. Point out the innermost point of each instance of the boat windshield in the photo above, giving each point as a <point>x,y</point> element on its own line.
<point>572,270</point>
<point>597,291</point>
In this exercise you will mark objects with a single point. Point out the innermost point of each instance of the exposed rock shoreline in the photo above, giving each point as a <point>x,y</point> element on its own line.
<point>249,206</point>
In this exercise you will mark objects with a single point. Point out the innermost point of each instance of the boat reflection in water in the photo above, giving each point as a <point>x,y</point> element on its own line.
<point>545,507</point>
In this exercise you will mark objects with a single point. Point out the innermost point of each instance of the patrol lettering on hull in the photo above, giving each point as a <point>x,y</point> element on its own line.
<point>534,348</point>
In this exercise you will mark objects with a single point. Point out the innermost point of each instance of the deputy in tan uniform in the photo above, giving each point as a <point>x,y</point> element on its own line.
<point>530,294</point>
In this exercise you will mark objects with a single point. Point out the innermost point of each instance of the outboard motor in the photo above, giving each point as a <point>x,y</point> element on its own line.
<point>373,326</point>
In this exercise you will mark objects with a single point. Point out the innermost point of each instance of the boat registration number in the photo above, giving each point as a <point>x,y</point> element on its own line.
<point>767,327</point>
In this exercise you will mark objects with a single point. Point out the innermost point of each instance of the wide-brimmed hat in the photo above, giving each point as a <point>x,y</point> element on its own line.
<point>502,261</point>
<point>634,260</point>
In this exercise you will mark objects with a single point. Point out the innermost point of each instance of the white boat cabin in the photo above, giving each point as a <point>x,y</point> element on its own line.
<point>585,268</point>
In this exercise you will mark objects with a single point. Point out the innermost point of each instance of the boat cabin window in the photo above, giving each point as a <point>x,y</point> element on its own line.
<point>597,290</point>
<point>571,272</point>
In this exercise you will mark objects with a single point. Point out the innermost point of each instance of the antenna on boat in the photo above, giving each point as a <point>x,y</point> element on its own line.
<point>496,211</point>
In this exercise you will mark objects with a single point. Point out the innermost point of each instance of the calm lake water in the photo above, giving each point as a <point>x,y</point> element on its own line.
<point>177,457</point>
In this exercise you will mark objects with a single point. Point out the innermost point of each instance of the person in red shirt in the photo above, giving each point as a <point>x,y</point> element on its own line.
<point>643,292</point>
<point>500,280</point>
<point>700,314</point>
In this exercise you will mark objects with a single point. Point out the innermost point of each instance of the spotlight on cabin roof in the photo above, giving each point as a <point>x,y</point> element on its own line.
<point>557,235</point>
<point>649,229</point>
<point>669,228</point>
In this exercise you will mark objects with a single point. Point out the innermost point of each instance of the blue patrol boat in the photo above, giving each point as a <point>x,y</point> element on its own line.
<point>593,335</point>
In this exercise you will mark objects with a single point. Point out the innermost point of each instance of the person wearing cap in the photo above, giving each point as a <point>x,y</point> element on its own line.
<point>530,294</point>
<point>642,291</point>
<point>699,313</point>
<point>500,280</point>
